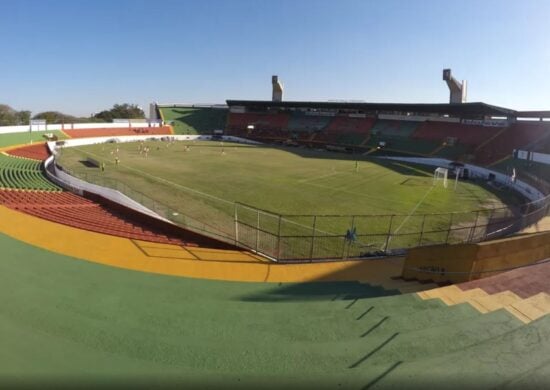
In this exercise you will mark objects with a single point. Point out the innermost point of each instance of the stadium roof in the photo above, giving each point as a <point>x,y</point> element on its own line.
<point>453,109</point>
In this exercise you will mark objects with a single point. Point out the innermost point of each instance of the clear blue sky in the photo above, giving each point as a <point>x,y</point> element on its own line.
<point>83,56</point>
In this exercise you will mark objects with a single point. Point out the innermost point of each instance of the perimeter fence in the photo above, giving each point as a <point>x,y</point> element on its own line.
<point>308,238</point>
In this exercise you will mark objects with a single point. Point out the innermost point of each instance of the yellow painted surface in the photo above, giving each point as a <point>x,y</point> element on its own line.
<point>65,134</point>
<point>183,261</point>
<point>6,148</point>
<point>526,310</point>
<point>495,302</point>
<point>518,314</point>
<point>534,307</point>
<point>465,296</point>
<point>463,262</point>
<point>452,295</point>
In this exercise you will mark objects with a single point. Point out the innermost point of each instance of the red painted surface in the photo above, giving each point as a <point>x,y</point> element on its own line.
<point>111,132</point>
<point>38,151</point>
<point>72,210</point>
<point>524,282</point>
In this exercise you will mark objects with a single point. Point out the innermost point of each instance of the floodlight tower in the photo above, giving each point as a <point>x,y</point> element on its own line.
<point>458,90</point>
<point>277,94</point>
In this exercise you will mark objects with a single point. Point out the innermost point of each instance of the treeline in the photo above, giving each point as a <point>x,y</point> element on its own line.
<point>11,117</point>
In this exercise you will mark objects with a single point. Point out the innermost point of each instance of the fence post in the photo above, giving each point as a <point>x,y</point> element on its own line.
<point>422,230</point>
<point>279,239</point>
<point>352,227</point>
<point>489,224</point>
<point>472,230</point>
<point>236,219</point>
<point>257,229</point>
<point>388,237</point>
<point>312,238</point>
<point>449,229</point>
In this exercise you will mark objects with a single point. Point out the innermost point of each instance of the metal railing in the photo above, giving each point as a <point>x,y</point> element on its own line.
<point>306,238</point>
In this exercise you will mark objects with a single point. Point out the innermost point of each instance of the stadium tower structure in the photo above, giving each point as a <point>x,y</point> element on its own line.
<point>277,94</point>
<point>458,90</point>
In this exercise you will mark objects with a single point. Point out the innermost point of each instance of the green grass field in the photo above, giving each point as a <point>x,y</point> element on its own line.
<point>203,183</point>
<point>189,120</point>
<point>26,137</point>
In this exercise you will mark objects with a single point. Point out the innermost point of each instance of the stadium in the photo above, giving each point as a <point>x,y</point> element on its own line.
<point>274,242</point>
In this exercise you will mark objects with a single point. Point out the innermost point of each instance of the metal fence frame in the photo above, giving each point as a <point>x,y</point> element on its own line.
<point>282,238</point>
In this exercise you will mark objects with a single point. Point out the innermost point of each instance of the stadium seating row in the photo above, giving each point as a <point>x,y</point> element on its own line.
<point>72,210</point>
<point>517,136</point>
<point>485,145</point>
<point>19,173</point>
<point>37,151</point>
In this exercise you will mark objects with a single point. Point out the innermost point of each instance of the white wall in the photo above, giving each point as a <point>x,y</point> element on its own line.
<point>523,188</point>
<point>71,142</point>
<point>76,185</point>
<point>540,157</point>
<point>76,126</point>
<point>417,118</point>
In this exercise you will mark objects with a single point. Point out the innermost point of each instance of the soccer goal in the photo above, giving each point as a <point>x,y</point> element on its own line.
<point>441,174</point>
<point>38,125</point>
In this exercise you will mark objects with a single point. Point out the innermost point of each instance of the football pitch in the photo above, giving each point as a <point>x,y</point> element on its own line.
<point>200,182</point>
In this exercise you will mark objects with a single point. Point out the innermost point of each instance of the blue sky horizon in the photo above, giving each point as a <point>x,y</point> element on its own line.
<point>80,57</point>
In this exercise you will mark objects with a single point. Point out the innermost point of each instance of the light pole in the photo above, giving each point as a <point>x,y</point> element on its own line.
<point>30,127</point>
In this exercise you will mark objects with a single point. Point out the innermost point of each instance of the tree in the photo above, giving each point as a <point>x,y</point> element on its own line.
<point>55,117</point>
<point>121,111</point>
<point>23,117</point>
<point>11,117</point>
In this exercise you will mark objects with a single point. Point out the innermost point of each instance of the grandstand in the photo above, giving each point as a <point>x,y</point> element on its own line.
<point>372,334</point>
<point>23,174</point>
<point>348,324</point>
<point>463,132</point>
<point>193,119</point>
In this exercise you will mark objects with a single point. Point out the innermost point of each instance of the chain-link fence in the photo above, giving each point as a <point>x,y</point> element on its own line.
<point>302,238</point>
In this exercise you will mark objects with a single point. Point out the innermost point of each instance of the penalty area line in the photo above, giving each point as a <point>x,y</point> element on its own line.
<point>411,213</point>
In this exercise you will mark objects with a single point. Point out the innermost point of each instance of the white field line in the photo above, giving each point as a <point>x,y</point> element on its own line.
<point>364,180</point>
<point>400,202</point>
<point>414,209</point>
<point>410,214</point>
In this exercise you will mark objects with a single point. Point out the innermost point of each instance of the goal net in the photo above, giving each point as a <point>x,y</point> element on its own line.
<point>441,175</point>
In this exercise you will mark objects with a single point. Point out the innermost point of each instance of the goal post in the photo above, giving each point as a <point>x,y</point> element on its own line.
<point>38,125</point>
<point>441,175</point>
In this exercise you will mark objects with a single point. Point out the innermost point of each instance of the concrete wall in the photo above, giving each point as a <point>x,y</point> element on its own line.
<point>67,143</point>
<point>464,262</point>
<point>79,186</point>
<point>523,188</point>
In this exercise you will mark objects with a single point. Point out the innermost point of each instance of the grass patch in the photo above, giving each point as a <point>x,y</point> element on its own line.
<point>199,182</point>
<point>187,120</point>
